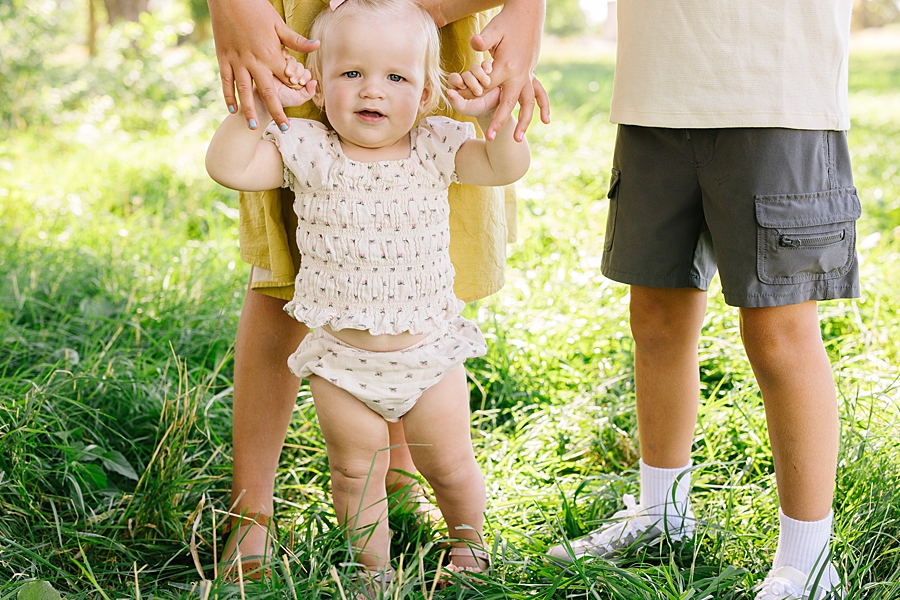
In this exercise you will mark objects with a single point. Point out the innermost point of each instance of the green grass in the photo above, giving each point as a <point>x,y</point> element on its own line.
<point>120,290</point>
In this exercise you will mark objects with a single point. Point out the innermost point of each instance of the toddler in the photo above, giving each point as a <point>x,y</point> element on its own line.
<point>376,283</point>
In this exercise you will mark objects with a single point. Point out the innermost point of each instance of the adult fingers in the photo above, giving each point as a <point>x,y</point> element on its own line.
<point>243,82</point>
<point>543,100</point>
<point>526,111</point>
<point>509,96</point>
<point>531,95</point>
<point>226,74</point>
<point>269,95</point>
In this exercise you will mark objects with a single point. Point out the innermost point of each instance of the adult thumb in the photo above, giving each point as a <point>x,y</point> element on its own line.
<point>294,40</point>
<point>487,40</point>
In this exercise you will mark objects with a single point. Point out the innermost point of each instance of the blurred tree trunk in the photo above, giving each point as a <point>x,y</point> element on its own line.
<point>129,10</point>
<point>92,28</point>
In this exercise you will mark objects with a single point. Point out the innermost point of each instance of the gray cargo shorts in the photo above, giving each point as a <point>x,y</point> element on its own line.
<point>774,210</point>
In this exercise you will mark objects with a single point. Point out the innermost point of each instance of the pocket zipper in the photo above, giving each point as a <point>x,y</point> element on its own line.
<point>813,241</point>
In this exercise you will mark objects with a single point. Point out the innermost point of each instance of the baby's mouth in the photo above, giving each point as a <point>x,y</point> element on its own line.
<point>370,114</point>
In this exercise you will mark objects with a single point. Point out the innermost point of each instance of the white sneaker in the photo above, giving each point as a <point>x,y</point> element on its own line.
<point>786,583</point>
<point>635,529</point>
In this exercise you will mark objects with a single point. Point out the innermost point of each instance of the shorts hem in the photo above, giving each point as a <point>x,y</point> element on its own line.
<point>643,280</point>
<point>796,296</point>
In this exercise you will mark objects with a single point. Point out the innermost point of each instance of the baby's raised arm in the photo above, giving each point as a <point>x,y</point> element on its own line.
<point>500,161</point>
<point>237,158</point>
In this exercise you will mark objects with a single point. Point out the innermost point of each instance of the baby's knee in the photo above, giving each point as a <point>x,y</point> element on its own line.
<point>453,474</point>
<point>352,475</point>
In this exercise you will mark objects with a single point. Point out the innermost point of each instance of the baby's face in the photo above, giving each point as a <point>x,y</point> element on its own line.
<point>373,83</point>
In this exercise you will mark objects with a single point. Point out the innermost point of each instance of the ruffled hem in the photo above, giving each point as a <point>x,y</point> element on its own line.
<point>386,320</point>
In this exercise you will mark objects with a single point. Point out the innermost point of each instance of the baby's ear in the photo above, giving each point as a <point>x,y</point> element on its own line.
<point>318,98</point>
<point>426,99</point>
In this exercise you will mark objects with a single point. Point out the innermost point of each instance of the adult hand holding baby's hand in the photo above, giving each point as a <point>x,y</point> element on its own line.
<point>513,39</point>
<point>249,37</point>
<point>466,93</point>
<point>302,86</point>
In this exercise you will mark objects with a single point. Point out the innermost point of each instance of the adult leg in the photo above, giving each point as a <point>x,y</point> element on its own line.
<point>357,440</point>
<point>784,345</point>
<point>439,430</point>
<point>265,392</point>
<point>401,483</point>
<point>402,465</point>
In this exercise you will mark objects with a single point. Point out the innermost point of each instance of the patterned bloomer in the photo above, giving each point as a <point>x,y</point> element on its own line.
<point>389,383</point>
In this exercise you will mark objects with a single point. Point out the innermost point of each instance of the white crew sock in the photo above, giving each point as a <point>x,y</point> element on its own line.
<point>656,492</point>
<point>803,545</point>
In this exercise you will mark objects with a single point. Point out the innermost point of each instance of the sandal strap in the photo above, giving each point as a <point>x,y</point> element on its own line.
<point>380,576</point>
<point>232,520</point>
<point>251,570</point>
<point>469,551</point>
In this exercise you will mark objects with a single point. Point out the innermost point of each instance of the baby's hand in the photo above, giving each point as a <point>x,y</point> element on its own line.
<point>466,93</point>
<point>294,72</point>
<point>302,87</point>
<point>471,84</point>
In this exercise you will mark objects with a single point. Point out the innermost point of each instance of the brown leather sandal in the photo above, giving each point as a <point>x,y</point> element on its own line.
<point>251,569</point>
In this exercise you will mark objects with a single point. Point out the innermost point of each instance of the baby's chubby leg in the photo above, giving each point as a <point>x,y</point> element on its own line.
<point>438,431</point>
<point>357,440</point>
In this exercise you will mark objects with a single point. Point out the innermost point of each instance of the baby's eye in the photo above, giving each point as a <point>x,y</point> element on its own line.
<point>351,74</point>
<point>395,78</point>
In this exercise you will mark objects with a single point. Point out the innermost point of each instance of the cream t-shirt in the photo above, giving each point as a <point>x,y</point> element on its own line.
<point>732,63</point>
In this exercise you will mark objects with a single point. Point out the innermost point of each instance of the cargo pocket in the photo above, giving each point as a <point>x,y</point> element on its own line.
<point>806,237</point>
<point>611,212</point>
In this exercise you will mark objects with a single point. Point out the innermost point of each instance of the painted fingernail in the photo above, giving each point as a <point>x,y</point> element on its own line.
<point>312,41</point>
<point>252,123</point>
<point>284,127</point>
<point>231,109</point>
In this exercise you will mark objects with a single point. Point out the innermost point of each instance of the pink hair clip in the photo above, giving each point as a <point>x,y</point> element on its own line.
<point>335,3</point>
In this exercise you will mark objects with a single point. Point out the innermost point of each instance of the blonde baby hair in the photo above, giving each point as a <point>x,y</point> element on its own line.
<point>409,12</point>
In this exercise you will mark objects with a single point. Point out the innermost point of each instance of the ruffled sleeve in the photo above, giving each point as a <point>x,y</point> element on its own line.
<point>305,150</point>
<point>438,139</point>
